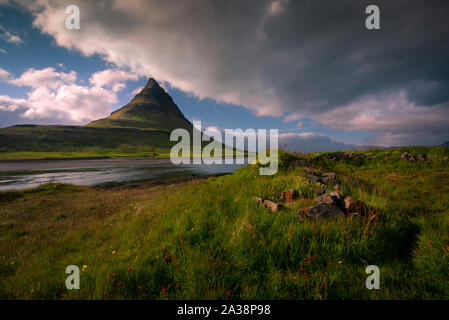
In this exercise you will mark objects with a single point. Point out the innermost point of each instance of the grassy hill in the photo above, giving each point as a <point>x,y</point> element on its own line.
<point>36,142</point>
<point>141,128</point>
<point>209,239</point>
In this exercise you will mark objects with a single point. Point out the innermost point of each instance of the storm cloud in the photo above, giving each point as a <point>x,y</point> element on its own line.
<point>297,59</point>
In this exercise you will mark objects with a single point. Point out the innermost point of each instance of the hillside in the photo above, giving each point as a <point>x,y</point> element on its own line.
<point>141,128</point>
<point>209,239</point>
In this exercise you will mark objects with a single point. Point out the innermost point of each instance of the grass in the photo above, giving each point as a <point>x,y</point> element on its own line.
<point>207,239</point>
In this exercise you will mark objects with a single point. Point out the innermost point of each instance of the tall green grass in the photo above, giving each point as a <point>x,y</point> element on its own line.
<point>210,240</point>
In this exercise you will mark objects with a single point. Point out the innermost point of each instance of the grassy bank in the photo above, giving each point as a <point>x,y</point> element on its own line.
<point>208,239</point>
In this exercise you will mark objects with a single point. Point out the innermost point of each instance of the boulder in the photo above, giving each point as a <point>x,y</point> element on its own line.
<point>324,211</point>
<point>289,195</point>
<point>421,158</point>
<point>273,206</point>
<point>258,199</point>
<point>354,206</point>
<point>314,178</point>
<point>328,177</point>
<point>407,156</point>
<point>338,188</point>
<point>320,190</point>
<point>301,214</point>
<point>329,198</point>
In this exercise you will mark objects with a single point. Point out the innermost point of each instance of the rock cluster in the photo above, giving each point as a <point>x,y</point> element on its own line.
<point>327,204</point>
<point>330,205</point>
<point>409,157</point>
<point>326,178</point>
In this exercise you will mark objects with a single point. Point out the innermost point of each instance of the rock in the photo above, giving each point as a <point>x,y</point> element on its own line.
<point>329,198</point>
<point>320,190</point>
<point>324,211</point>
<point>328,177</point>
<point>421,158</point>
<point>309,170</point>
<point>354,206</point>
<point>301,214</point>
<point>408,156</point>
<point>313,178</point>
<point>258,199</point>
<point>273,206</point>
<point>338,188</point>
<point>289,195</point>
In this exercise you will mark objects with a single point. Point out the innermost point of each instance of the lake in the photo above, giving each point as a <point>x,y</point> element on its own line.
<point>90,172</point>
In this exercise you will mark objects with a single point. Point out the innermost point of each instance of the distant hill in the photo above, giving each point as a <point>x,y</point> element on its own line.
<point>142,127</point>
<point>445,144</point>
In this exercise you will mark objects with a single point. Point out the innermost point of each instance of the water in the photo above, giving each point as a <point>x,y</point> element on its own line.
<point>32,173</point>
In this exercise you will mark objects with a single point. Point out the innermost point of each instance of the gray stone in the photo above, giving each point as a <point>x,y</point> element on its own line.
<point>273,206</point>
<point>329,198</point>
<point>324,211</point>
<point>328,177</point>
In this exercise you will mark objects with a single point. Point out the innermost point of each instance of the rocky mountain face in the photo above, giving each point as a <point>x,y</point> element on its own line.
<point>151,109</point>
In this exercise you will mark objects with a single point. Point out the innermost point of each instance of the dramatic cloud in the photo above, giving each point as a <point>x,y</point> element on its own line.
<point>311,59</point>
<point>55,95</point>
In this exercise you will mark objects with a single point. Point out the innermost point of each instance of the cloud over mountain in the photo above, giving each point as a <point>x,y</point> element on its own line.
<point>56,95</point>
<point>313,59</point>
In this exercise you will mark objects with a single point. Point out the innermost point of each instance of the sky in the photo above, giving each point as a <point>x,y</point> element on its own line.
<point>310,69</point>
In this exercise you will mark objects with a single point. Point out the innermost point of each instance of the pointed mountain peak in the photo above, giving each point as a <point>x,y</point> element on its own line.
<point>152,83</point>
<point>151,108</point>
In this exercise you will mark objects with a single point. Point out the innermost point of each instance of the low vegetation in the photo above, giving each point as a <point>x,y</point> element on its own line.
<point>208,239</point>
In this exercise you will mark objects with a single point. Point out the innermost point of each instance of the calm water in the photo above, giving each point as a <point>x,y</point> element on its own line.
<point>32,173</point>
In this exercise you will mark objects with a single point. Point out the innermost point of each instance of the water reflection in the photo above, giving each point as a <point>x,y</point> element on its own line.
<point>32,173</point>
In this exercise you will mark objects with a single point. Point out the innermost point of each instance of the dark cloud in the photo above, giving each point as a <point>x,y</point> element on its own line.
<point>314,58</point>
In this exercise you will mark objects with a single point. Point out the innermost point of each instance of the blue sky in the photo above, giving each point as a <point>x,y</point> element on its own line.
<point>332,114</point>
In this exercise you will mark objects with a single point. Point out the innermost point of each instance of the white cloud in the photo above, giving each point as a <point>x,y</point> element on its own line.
<point>114,79</point>
<point>3,51</point>
<point>48,78</point>
<point>4,75</point>
<point>55,95</point>
<point>394,119</point>
<point>12,104</point>
<point>136,91</point>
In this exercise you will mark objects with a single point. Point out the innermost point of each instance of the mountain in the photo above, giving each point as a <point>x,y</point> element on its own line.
<point>445,144</point>
<point>140,128</point>
<point>151,109</point>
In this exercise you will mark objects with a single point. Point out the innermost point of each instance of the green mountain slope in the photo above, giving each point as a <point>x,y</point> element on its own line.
<point>140,128</point>
<point>151,109</point>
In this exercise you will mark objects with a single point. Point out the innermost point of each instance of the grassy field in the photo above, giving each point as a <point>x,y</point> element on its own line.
<point>208,239</point>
